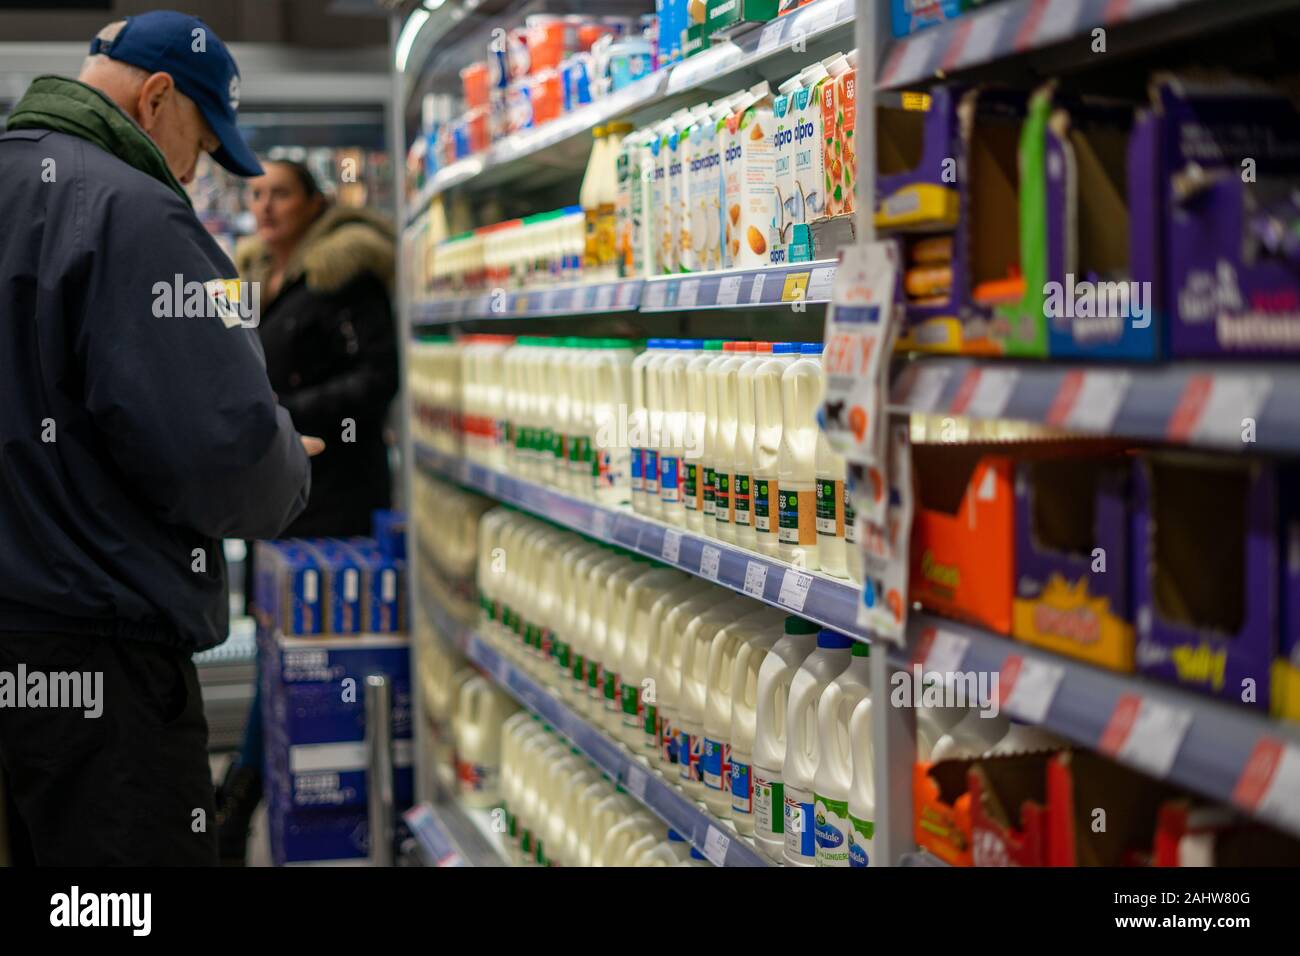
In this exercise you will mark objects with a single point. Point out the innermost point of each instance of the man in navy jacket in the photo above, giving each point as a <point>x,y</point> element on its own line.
<point>137,430</point>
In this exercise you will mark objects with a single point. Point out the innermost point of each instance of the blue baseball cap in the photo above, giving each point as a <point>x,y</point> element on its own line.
<point>164,41</point>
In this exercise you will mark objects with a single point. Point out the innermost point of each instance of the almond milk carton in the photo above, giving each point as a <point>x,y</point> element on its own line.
<point>704,185</point>
<point>748,171</point>
<point>783,163</point>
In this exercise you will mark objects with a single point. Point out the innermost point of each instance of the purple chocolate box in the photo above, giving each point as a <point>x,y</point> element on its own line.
<point>1231,270</point>
<point>1036,564</point>
<point>1162,645</point>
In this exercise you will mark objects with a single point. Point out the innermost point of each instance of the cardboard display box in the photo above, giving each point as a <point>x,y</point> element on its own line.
<point>1228,162</point>
<point>1072,558</point>
<point>962,558</point>
<point>1207,572</point>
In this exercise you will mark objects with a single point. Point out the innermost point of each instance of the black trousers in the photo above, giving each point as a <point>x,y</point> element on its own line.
<point>131,787</point>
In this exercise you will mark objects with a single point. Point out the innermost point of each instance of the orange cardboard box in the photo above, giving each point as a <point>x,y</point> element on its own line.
<point>941,810</point>
<point>963,560</point>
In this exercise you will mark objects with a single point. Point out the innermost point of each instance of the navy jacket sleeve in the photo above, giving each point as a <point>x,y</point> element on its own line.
<point>182,401</point>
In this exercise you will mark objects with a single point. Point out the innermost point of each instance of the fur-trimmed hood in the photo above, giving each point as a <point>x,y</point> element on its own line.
<point>340,245</point>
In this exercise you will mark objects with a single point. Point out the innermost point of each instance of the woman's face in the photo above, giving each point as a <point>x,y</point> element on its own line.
<point>280,205</point>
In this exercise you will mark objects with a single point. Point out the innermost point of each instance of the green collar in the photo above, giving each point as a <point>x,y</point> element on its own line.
<point>72,107</point>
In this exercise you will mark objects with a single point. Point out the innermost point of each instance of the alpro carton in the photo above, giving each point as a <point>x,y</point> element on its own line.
<point>690,143</point>
<point>704,188</point>
<point>748,173</point>
<point>810,142</point>
<point>675,189</point>
<point>783,163</point>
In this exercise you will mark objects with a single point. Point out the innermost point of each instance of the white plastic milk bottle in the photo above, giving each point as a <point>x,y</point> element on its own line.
<point>774,680</point>
<point>616,615</point>
<point>639,423</point>
<point>797,469</point>
<point>673,397</point>
<point>760,635</point>
<point>768,429</point>
<point>737,353</point>
<point>833,782</point>
<point>633,667</point>
<point>654,634</point>
<point>715,752</point>
<point>742,460</point>
<point>693,694</point>
<point>693,490</point>
<point>610,386</point>
<point>801,750</point>
<point>668,677</point>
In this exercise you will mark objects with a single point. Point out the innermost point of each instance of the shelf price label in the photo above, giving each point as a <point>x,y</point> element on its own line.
<point>715,846</point>
<point>1213,409</point>
<point>984,393</point>
<point>1145,734</point>
<point>654,295</point>
<point>770,38</point>
<point>672,547</point>
<point>923,386</point>
<point>756,290</point>
<point>1270,781</point>
<point>689,294</point>
<point>1028,687</point>
<point>821,285</point>
<point>710,559</point>
<point>600,524</point>
<point>729,290</point>
<point>796,286</point>
<point>626,294</point>
<point>795,585</point>
<point>1089,401</point>
<point>755,579</point>
<point>941,650</point>
<point>634,781</point>
<point>604,297</point>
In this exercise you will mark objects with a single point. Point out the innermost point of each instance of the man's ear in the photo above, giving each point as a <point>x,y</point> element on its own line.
<point>154,95</point>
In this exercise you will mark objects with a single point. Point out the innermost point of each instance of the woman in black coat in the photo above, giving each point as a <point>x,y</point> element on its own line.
<point>330,341</point>
<point>325,273</point>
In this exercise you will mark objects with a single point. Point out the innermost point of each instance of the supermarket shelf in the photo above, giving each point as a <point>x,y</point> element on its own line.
<point>1223,751</point>
<point>451,835</point>
<point>1012,28</point>
<point>706,833</point>
<point>921,858</point>
<point>578,299</point>
<point>1186,403</point>
<point>831,602</point>
<point>807,282</point>
<point>766,49</point>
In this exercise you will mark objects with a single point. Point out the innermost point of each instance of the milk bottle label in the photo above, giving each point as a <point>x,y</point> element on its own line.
<point>562,655</point>
<point>651,726</point>
<point>797,522</point>
<point>850,518</point>
<point>475,777</point>
<point>740,498</point>
<point>830,508</point>
<point>631,700</point>
<point>689,749</point>
<point>650,472</point>
<point>668,741</point>
<point>579,668</point>
<point>715,763</point>
<point>593,676</point>
<point>742,788</point>
<point>722,497</point>
<point>611,687</point>
<point>763,504</point>
<point>769,804</point>
<point>710,491</point>
<point>691,486</point>
<point>636,470</point>
<point>831,828</point>
<point>669,492</point>
<point>800,838</point>
<point>860,840</point>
